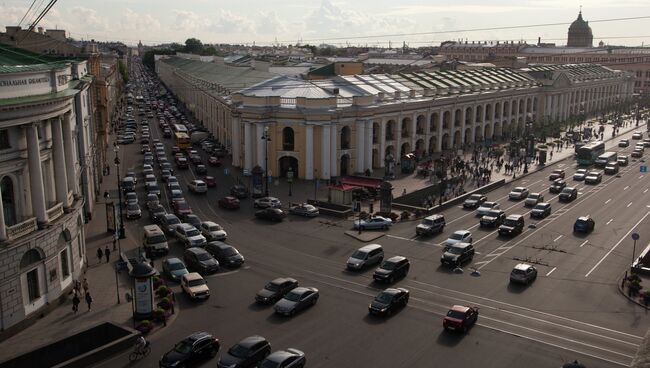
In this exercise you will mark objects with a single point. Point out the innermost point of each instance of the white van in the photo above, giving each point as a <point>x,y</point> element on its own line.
<point>154,240</point>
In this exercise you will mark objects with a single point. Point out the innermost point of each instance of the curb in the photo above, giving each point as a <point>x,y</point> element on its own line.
<point>621,289</point>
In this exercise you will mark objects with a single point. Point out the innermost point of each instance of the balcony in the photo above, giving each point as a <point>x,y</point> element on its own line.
<point>22,229</point>
<point>55,212</point>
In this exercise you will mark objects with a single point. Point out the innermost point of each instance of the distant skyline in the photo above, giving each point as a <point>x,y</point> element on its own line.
<point>336,22</point>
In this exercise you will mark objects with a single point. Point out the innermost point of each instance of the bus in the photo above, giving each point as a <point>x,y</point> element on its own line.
<point>182,140</point>
<point>180,128</point>
<point>588,153</point>
<point>605,158</point>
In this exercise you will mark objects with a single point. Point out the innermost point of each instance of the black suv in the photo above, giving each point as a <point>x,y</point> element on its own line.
<point>239,191</point>
<point>275,290</point>
<point>199,259</point>
<point>225,254</point>
<point>246,353</point>
<point>197,347</point>
<point>457,254</point>
<point>541,210</point>
<point>493,218</point>
<point>391,269</point>
<point>568,194</point>
<point>513,225</point>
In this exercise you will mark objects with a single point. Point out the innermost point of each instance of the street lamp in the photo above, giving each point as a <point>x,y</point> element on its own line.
<point>527,143</point>
<point>122,233</point>
<point>290,178</point>
<point>266,138</point>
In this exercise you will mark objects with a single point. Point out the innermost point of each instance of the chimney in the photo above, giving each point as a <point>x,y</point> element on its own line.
<point>539,41</point>
<point>12,30</point>
<point>40,30</point>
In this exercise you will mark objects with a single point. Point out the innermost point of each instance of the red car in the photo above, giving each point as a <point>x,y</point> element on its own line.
<point>229,202</point>
<point>460,318</point>
<point>210,181</point>
<point>214,161</point>
<point>181,208</point>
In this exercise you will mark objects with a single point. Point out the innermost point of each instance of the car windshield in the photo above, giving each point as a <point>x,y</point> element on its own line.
<point>384,298</point>
<point>132,207</point>
<point>581,222</point>
<point>517,190</point>
<point>177,266</point>
<point>230,252</point>
<point>238,351</point>
<point>359,255</point>
<point>534,196</point>
<point>488,204</point>
<point>388,265</point>
<point>157,239</point>
<point>510,222</point>
<point>427,222</point>
<point>294,297</point>
<point>173,221</point>
<point>270,364</point>
<point>540,207</point>
<point>456,314</point>
<point>272,287</point>
<point>518,272</point>
<point>214,228</point>
<point>197,282</point>
<point>193,232</point>
<point>567,190</point>
<point>456,236</point>
<point>475,197</point>
<point>203,257</point>
<point>183,347</point>
<point>493,214</point>
<point>455,250</point>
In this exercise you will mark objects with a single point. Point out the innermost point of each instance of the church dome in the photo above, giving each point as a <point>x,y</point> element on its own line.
<point>580,33</point>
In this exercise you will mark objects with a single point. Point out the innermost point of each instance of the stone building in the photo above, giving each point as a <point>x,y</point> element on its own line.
<point>580,33</point>
<point>46,181</point>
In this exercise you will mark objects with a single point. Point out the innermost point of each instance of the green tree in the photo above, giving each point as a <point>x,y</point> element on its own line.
<point>148,59</point>
<point>193,45</point>
<point>177,47</point>
<point>121,67</point>
<point>210,50</point>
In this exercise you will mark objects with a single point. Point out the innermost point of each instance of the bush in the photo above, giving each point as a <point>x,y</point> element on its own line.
<point>165,303</point>
<point>160,315</point>
<point>157,282</point>
<point>144,326</point>
<point>634,278</point>
<point>163,291</point>
<point>634,287</point>
<point>646,297</point>
<point>404,215</point>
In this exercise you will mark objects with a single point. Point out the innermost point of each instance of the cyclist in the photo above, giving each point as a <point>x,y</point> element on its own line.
<point>140,344</point>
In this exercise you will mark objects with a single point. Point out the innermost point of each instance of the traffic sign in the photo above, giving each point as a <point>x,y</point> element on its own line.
<point>635,236</point>
<point>643,169</point>
<point>225,171</point>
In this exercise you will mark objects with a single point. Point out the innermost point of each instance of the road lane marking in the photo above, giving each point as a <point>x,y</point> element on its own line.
<point>644,192</point>
<point>583,243</point>
<point>551,271</point>
<point>626,187</point>
<point>616,245</point>
<point>610,221</point>
<point>607,201</point>
<point>558,238</point>
<point>640,176</point>
<point>629,204</point>
<point>398,237</point>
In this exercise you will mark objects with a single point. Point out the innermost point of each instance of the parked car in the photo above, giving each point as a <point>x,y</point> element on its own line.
<point>513,225</point>
<point>212,231</point>
<point>181,208</point>
<point>557,186</point>
<point>290,358</point>
<point>518,193</point>
<point>474,201</point>
<point>389,300</point>
<point>246,353</point>
<point>487,207</point>
<point>460,318</point>
<point>195,286</point>
<point>373,223</point>
<point>174,268</point>
<point>200,260</point>
<point>493,218</point>
<point>523,273</point>
<point>189,235</point>
<point>270,214</point>
<point>584,224</point>
<point>276,290</point>
<point>296,300</point>
<point>197,347</point>
<point>157,212</point>
<point>229,202</point>
<point>214,161</point>
<point>169,223</point>
<point>133,211</point>
<point>556,174</point>
<point>304,209</point>
<point>267,202</point>
<point>391,269</point>
<point>457,254</point>
<point>541,210</point>
<point>193,220</point>
<point>459,236</point>
<point>225,254</point>
<point>431,225</point>
<point>624,143</point>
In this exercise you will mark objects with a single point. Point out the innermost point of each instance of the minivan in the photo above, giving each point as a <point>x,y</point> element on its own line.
<point>154,240</point>
<point>365,256</point>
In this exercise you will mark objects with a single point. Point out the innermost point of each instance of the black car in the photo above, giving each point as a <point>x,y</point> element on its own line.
<point>584,224</point>
<point>541,210</point>
<point>239,191</point>
<point>199,259</point>
<point>275,290</point>
<point>557,186</point>
<point>290,358</point>
<point>271,214</point>
<point>225,254</point>
<point>493,218</point>
<point>457,254</point>
<point>568,194</point>
<point>474,201</point>
<point>392,269</point>
<point>193,349</point>
<point>157,212</point>
<point>201,170</point>
<point>246,353</point>
<point>387,301</point>
<point>514,224</point>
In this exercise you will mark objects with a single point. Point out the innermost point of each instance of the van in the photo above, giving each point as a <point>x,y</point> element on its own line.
<point>431,225</point>
<point>365,256</point>
<point>154,240</point>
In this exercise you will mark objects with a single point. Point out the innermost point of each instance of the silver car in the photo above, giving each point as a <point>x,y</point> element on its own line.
<point>133,211</point>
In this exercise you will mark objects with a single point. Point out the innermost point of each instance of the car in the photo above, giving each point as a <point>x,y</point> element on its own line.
<point>197,347</point>
<point>201,260</point>
<point>646,142</point>
<point>593,177</point>
<point>275,290</point>
<point>640,147</point>
<point>365,256</point>
<point>167,133</point>
<point>290,358</point>
<point>210,181</point>
<point>457,254</point>
<point>271,214</point>
<point>487,207</point>
<point>195,159</point>
<point>391,269</point>
<point>175,150</point>
<point>296,300</point>
<point>514,224</point>
<point>169,223</point>
<point>611,168</point>
<point>493,218</point>
<point>193,220</point>
<point>229,202</point>
<point>523,273</point>
<point>165,174</point>
<point>460,318</point>
<point>214,161</point>
<point>201,170</point>
<point>373,223</point>
<point>133,211</point>
<point>541,210</point>
<point>568,194</point>
<point>157,212</point>
<point>431,225</point>
<point>181,163</point>
<point>533,199</point>
<point>181,208</point>
<point>145,148</point>
<point>474,201</point>
<point>195,286</point>
<point>624,143</point>
<point>637,153</point>
<point>175,194</point>
<point>128,185</point>
<point>225,254</point>
<point>557,186</point>
<point>637,135</point>
<point>556,174</point>
<point>389,300</point>
<point>239,191</point>
<point>580,175</point>
<point>518,193</point>
<point>197,186</point>
<point>267,202</point>
<point>584,224</point>
<point>304,209</point>
<point>174,269</point>
<point>152,200</point>
<point>131,197</point>
<point>154,188</point>
<point>459,236</point>
<point>246,353</point>
<point>189,235</point>
<point>622,160</point>
<point>212,231</point>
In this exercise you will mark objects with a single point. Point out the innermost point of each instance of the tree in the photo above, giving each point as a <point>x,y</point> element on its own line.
<point>193,46</point>
<point>148,58</point>
<point>210,50</point>
<point>122,69</point>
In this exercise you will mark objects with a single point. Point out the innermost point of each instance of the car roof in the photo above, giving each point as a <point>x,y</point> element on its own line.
<point>208,223</point>
<point>250,341</point>
<point>522,266</point>
<point>460,245</point>
<point>434,217</point>
<point>461,232</point>
<point>514,217</point>
<point>583,218</point>
<point>395,259</point>
<point>281,280</point>
<point>370,247</point>
<point>173,260</point>
<point>391,291</point>
<point>519,188</point>
<point>301,290</point>
<point>192,276</point>
<point>186,226</point>
<point>460,308</point>
<point>545,204</point>
<point>279,356</point>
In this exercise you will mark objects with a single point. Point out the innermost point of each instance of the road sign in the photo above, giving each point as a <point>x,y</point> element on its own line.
<point>635,236</point>
<point>643,169</point>
<point>225,171</point>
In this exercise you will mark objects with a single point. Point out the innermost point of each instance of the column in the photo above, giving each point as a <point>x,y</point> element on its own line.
<point>236,140</point>
<point>368,145</point>
<point>333,150</point>
<point>58,155</point>
<point>3,228</point>
<point>463,116</point>
<point>309,152</point>
<point>439,129</point>
<point>382,143</point>
<point>325,152</point>
<point>248,147</point>
<point>360,135</point>
<point>452,128</point>
<point>69,153</point>
<point>36,174</point>
<point>49,183</point>
<point>261,145</point>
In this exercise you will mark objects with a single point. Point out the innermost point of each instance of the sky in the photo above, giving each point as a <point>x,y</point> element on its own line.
<point>375,23</point>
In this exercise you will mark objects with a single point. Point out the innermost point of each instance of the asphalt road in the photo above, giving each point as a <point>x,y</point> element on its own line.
<point>572,311</point>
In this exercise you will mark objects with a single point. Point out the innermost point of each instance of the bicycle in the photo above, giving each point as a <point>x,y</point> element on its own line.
<point>140,352</point>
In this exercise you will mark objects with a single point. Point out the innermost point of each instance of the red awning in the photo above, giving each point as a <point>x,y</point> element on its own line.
<point>342,187</point>
<point>371,183</point>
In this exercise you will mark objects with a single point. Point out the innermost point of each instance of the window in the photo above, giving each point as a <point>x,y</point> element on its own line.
<point>32,285</point>
<point>345,138</point>
<point>8,203</point>
<point>4,139</point>
<point>65,263</point>
<point>287,139</point>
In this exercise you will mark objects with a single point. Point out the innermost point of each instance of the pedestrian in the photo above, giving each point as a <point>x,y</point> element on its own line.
<point>551,155</point>
<point>77,287</point>
<point>75,303</point>
<point>107,252</point>
<point>89,300</point>
<point>85,286</point>
<point>100,254</point>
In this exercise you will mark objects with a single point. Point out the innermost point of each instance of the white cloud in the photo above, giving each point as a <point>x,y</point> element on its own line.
<point>88,19</point>
<point>269,24</point>
<point>130,20</point>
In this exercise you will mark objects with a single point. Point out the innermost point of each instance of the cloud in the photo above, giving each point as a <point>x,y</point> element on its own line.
<point>88,19</point>
<point>130,21</point>
<point>269,24</point>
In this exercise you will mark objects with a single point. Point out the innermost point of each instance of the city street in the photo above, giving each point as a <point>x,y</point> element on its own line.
<point>572,311</point>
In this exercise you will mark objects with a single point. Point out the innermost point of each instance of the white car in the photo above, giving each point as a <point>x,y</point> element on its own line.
<point>458,236</point>
<point>266,202</point>
<point>189,235</point>
<point>580,175</point>
<point>594,177</point>
<point>487,207</point>
<point>197,186</point>
<point>518,193</point>
<point>195,286</point>
<point>213,231</point>
<point>637,135</point>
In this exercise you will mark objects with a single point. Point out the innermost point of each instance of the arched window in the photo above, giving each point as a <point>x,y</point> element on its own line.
<point>30,259</point>
<point>8,202</point>
<point>345,138</point>
<point>287,139</point>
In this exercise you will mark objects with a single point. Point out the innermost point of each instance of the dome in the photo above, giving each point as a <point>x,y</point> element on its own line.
<point>579,24</point>
<point>580,33</point>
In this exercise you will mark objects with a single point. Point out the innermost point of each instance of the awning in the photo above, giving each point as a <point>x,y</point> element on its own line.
<point>372,183</point>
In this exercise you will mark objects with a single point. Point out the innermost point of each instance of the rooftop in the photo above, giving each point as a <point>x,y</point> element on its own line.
<point>14,60</point>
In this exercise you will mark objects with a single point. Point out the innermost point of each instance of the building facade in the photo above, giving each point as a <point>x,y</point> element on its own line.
<point>47,184</point>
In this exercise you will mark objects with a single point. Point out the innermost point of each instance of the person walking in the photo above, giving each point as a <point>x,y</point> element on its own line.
<point>107,252</point>
<point>75,303</point>
<point>100,255</point>
<point>85,286</point>
<point>89,300</point>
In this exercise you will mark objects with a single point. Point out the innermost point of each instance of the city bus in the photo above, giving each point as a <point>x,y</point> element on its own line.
<point>182,140</point>
<point>588,153</point>
<point>179,128</point>
<point>605,158</point>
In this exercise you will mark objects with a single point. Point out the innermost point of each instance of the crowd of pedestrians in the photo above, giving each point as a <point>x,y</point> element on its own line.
<point>78,294</point>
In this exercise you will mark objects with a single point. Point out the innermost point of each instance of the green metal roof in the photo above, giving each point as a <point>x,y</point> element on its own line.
<point>69,92</point>
<point>15,60</point>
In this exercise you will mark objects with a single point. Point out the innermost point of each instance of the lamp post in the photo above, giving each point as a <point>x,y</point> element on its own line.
<point>527,143</point>
<point>266,139</point>
<point>290,178</point>
<point>122,234</point>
